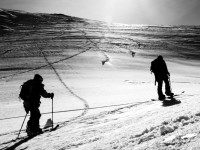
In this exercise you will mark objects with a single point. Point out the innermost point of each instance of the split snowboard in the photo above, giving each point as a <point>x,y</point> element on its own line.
<point>169,98</point>
<point>48,129</point>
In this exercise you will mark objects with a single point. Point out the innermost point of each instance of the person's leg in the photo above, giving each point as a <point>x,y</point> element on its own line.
<point>33,125</point>
<point>161,96</point>
<point>30,124</point>
<point>167,87</point>
<point>36,119</point>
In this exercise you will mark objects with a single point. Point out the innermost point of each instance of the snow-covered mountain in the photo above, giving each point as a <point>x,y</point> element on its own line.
<point>103,88</point>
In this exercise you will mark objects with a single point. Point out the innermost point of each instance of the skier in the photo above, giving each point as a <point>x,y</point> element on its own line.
<point>159,68</point>
<point>31,92</point>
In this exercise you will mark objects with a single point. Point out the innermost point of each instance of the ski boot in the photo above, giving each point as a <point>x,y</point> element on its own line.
<point>169,94</point>
<point>161,97</point>
<point>32,133</point>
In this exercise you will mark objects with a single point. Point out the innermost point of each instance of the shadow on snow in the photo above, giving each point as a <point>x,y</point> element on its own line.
<point>18,143</point>
<point>171,102</point>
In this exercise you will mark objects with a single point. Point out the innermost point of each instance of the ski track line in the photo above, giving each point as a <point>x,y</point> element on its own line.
<point>16,131</point>
<point>95,44</point>
<point>122,37</point>
<point>179,97</point>
<point>106,113</point>
<point>57,74</point>
<point>70,90</point>
<point>24,139</point>
<point>17,48</point>
<point>50,64</point>
<point>37,68</point>
<point>43,66</point>
<point>60,79</point>
<point>128,105</point>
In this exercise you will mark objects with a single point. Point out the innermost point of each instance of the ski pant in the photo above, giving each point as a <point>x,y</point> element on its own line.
<point>33,123</point>
<point>160,83</point>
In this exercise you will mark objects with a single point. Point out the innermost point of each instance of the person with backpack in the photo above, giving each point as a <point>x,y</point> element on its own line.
<point>159,68</point>
<point>31,92</point>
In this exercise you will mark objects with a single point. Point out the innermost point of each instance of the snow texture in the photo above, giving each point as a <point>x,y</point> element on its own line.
<point>103,88</point>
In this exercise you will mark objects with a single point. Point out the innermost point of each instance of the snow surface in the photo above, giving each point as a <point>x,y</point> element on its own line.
<point>101,106</point>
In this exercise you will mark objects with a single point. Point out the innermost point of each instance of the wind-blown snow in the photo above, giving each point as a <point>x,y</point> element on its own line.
<point>103,92</point>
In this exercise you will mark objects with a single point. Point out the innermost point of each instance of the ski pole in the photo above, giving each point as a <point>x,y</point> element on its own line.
<point>52,112</point>
<point>22,126</point>
<point>170,84</point>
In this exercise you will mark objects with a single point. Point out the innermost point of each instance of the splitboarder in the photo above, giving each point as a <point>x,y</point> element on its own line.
<point>31,92</point>
<point>159,68</point>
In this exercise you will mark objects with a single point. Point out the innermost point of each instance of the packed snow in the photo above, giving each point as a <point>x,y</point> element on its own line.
<point>105,96</point>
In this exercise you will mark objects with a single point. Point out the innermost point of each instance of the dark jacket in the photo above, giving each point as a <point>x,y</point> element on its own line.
<point>159,68</point>
<point>36,90</point>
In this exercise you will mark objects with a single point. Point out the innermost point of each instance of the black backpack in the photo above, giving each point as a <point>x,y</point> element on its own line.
<point>153,67</point>
<point>26,90</point>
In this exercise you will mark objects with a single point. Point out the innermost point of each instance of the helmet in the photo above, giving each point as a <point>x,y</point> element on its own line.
<point>38,77</point>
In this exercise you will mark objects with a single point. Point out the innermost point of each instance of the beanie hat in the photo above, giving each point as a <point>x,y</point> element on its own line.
<point>38,77</point>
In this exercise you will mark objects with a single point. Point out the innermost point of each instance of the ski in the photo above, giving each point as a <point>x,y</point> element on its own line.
<point>168,101</point>
<point>44,130</point>
<point>54,128</point>
<point>169,98</point>
<point>50,128</point>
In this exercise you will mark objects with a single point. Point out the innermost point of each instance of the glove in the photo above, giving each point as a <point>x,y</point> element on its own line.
<point>51,95</point>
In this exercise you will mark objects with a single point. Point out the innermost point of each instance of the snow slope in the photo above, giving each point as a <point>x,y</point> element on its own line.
<point>100,75</point>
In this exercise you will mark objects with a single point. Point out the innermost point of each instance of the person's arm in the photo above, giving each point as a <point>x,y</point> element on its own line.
<point>166,68</point>
<point>45,94</point>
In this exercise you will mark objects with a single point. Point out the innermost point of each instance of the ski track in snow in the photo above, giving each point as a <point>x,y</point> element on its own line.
<point>100,125</point>
<point>64,84</point>
<point>57,74</point>
<point>95,44</point>
<point>147,135</point>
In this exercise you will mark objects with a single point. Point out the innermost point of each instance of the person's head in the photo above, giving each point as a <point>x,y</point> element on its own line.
<point>160,57</point>
<point>38,78</point>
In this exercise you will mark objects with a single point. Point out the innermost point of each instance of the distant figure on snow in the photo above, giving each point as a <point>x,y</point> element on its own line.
<point>159,68</point>
<point>133,53</point>
<point>31,92</point>
<point>139,44</point>
<point>104,61</point>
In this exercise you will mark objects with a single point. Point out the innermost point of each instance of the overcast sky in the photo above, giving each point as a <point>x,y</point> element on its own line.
<point>161,12</point>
